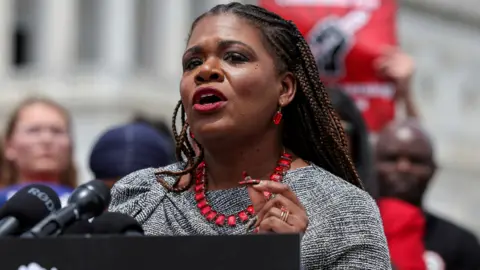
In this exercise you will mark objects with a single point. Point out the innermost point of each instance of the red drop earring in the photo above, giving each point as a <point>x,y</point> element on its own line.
<point>278,116</point>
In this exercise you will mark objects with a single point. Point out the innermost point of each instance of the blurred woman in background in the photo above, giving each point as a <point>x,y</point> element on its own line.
<point>38,148</point>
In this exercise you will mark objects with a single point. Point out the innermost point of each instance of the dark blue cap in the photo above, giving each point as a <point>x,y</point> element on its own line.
<point>128,148</point>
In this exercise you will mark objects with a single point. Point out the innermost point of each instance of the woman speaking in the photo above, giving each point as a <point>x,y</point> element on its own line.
<point>272,155</point>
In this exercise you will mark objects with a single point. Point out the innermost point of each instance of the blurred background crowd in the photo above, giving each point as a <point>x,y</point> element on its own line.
<point>88,89</point>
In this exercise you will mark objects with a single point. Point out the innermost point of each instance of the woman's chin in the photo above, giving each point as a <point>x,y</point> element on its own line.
<point>213,133</point>
<point>47,167</point>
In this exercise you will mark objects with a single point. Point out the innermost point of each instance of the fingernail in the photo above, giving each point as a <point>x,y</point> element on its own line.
<point>250,182</point>
<point>246,176</point>
<point>256,230</point>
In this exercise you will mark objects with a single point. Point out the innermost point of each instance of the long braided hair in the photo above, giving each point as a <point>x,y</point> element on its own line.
<point>311,128</point>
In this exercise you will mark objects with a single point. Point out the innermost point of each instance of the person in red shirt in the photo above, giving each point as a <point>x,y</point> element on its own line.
<point>404,163</point>
<point>416,238</point>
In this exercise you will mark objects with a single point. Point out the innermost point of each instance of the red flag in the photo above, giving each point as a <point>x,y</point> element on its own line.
<point>346,36</point>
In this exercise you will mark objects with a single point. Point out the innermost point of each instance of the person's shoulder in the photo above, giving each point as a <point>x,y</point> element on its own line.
<point>139,191</point>
<point>145,178</point>
<point>60,189</point>
<point>328,189</point>
<point>445,227</point>
<point>341,198</point>
<point>6,193</point>
<point>461,242</point>
<point>9,191</point>
<point>343,218</point>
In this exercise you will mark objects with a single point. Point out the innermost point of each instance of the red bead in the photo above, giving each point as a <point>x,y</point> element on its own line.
<point>232,221</point>
<point>211,216</point>
<point>251,210</point>
<point>199,196</point>
<point>243,216</point>
<point>201,204</point>
<point>276,177</point>
<point>284,163</point>
<point>277,118</point>
<point>198,188</point>
<point>205,210</point>
<point>220,221</point>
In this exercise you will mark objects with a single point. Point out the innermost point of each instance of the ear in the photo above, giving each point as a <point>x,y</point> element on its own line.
<point>289,88</point>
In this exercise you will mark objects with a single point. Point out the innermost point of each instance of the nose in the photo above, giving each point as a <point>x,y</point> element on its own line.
<point>403,165</point>
<point>46,136</point>
<point>209,72</point>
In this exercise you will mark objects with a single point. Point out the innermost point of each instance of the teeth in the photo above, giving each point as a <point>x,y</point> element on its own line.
<point>207,98</point>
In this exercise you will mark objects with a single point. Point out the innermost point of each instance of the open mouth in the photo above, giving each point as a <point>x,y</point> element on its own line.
<point>208,96</point>
<point>208,99</point>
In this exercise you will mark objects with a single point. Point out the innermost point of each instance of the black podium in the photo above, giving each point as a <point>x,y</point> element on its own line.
<point>248,252</point>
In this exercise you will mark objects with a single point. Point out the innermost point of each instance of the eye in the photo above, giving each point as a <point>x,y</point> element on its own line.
<point>235,58</point>
<point>390,158</point>
<point>192,63</point>
<point>418,160</point>
<point>33,129</point>
<point>58,130</point>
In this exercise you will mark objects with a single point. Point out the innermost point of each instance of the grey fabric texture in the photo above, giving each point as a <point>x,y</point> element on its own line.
<point>344,232</point>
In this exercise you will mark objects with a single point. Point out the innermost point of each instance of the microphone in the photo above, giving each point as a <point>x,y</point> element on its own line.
<point>26,208</point>
<point>116,223</point>
<point>81,227</point>
<point>86,201</point>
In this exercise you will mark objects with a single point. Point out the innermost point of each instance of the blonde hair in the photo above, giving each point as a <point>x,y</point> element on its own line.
<point>8,170</point>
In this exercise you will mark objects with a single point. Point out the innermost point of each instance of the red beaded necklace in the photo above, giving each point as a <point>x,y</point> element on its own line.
<point>243,216</point>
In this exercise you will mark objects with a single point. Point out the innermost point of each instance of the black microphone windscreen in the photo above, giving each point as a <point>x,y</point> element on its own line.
<point>86,201</point>
<point>31,204</point>
<point>92,197</point>
<point>81,227</point>
<point>115,223</point>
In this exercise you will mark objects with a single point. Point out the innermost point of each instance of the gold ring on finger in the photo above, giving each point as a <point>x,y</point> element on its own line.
<point>284,214</point>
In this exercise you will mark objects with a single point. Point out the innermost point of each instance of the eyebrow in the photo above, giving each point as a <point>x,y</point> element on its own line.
<point>221,44</point>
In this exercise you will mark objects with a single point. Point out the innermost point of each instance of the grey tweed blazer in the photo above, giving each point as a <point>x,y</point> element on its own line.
<point>344,231</point>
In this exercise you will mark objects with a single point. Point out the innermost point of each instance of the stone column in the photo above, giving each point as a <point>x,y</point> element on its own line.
<point>170,32</point>
<point>57,52</point>
<point>117,36</point>
<point>6,34</point>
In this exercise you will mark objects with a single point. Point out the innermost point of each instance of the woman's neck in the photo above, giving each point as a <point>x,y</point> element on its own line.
<point>257,156</point>
<point>39,177</point>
